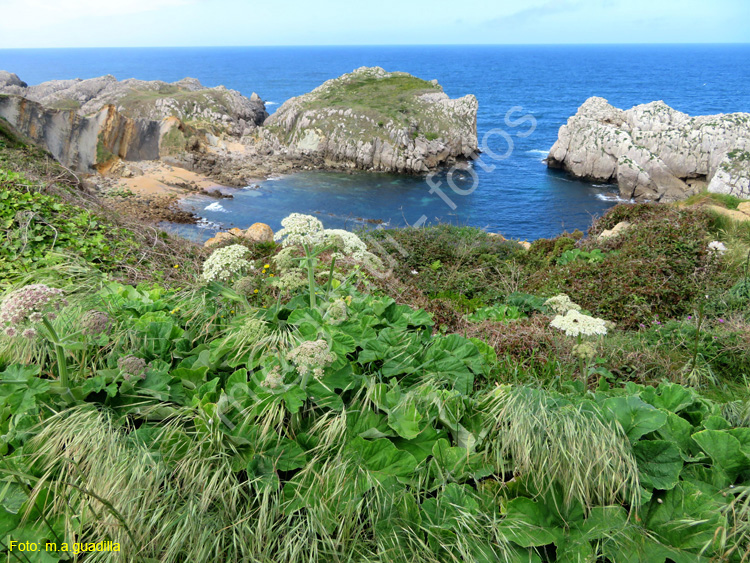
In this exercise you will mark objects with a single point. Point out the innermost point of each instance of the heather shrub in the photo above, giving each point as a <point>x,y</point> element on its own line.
<point>655,269</point>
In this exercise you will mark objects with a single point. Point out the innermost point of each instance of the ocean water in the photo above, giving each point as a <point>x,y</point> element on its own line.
<point>516,196</point>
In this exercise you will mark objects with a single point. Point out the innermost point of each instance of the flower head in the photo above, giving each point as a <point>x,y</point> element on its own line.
<point>225,263</point>
<point>337,312</point>
<point>96,322</point>
<point>299,229</point>
<point>561,304</point>
<point>717,247</point>
<point>574,323</point>
<point>273,379</point>
<point>30,304</point>
<point>311,355</point>
<point>132,366</point>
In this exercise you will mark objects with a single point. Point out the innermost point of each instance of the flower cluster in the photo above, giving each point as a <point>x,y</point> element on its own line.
<point>245,286</point>
<point>348,244</point>
<point>273,379</point>
<point>299,229</point>
<point>132,366</point>
<point>291,280</point>
<point>95,323</point>
<point>305,229</point>
<point>311,356</point>
<point>717,247</point>
<point>337,312</point>
<point>225,263</point>
<point>574,323</point>
<point>29,305</point>
<point>585,351</point>
<point>561,304</point>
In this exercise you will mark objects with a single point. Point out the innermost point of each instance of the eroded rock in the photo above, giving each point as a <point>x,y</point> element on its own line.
<point>654,152</point>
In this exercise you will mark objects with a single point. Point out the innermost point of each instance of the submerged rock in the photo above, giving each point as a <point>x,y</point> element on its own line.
<point>654,152</point>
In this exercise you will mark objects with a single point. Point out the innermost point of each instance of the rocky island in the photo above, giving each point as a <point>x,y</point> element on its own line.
<point>653,152</point>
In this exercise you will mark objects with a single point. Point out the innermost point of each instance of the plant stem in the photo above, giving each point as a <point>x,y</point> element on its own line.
<point>62,364</point>
<point>310,275</point>
<point>330,275</point>
<point>582,365</point>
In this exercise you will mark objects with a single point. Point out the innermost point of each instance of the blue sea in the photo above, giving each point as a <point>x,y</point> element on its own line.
<point>516,196</point>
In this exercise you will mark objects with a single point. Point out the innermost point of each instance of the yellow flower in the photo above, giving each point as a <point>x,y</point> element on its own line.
<point>176,266</point>
<point>255,291</point>
<point>270,275</point>
<point>266,265</point>
<point>232,312</point>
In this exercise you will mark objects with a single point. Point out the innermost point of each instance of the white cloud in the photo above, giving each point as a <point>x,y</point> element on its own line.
<point>36,14</point>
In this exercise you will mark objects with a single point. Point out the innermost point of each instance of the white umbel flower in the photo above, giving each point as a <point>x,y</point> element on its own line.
<point>561,304</point>
<point>717,247</point>
<point>226,263</point>
<point>299,229</point>
<point>574,323</point>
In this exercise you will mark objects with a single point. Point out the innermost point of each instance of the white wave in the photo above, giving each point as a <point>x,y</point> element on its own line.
<point>539,152</point>
<point>273,178</point>
<point>204,223</point>
<point>614,197</point>
<point>215,206</point>
<point>272,103</point>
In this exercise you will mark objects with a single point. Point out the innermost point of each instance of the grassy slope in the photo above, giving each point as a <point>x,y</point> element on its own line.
<point>417,444</point>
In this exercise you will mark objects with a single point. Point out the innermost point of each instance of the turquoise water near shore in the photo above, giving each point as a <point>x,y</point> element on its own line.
<point>520,198</point>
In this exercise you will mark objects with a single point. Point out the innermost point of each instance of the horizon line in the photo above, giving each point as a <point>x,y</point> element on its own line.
<point>644,44</point>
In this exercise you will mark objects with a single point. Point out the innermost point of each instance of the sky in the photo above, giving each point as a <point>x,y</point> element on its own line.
<point>177,23</point>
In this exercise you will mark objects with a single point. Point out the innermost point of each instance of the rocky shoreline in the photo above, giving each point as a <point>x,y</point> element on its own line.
<point>655,153</point>
<point>369,119</point>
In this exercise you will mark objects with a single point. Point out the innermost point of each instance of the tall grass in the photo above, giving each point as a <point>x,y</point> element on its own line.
<point>550,441</point>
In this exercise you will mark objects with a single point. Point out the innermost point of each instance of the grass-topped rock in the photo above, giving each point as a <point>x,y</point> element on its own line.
<point>373,119</point>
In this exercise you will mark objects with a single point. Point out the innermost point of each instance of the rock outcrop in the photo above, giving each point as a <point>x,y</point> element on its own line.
<point>369,119</point>
<point>218,109</point>
<point>376,120</point>
<point>653,152</point>
<point>88,124</point>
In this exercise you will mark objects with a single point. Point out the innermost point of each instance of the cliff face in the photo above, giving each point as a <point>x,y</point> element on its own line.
<point>218,110</point>
<point>83,142</point>
<point>372,119</point>
<point>654,152</point>
<point>369,119</point>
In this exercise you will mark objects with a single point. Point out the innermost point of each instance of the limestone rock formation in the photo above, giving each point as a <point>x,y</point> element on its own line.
<point>218,109</point>
<point>88,124</point>
<point>654,152</point>
<point>375,120</point>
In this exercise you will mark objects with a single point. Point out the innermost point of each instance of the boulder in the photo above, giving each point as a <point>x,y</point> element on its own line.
<point>654,152</point>
<point>256,233</point>
<point>614,231</point>
<point>259,232</point>
<point>744,207</point>
<point>734,214</point>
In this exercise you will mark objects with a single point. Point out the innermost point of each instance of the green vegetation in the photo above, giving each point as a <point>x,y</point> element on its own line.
<point>723,200</point>
<point>294,402</point>
<point>66,104</point>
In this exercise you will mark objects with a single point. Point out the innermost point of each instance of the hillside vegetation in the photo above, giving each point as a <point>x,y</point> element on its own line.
<point>416,395</point>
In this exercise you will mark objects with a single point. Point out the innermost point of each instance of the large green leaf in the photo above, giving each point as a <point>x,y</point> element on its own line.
<point>686,517</point>
<point>635,416</point>
<point>725,451</point>
<point>669,396</point>
<point>406,420</point>
<point>382,459</point>
<point>659,463</point>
